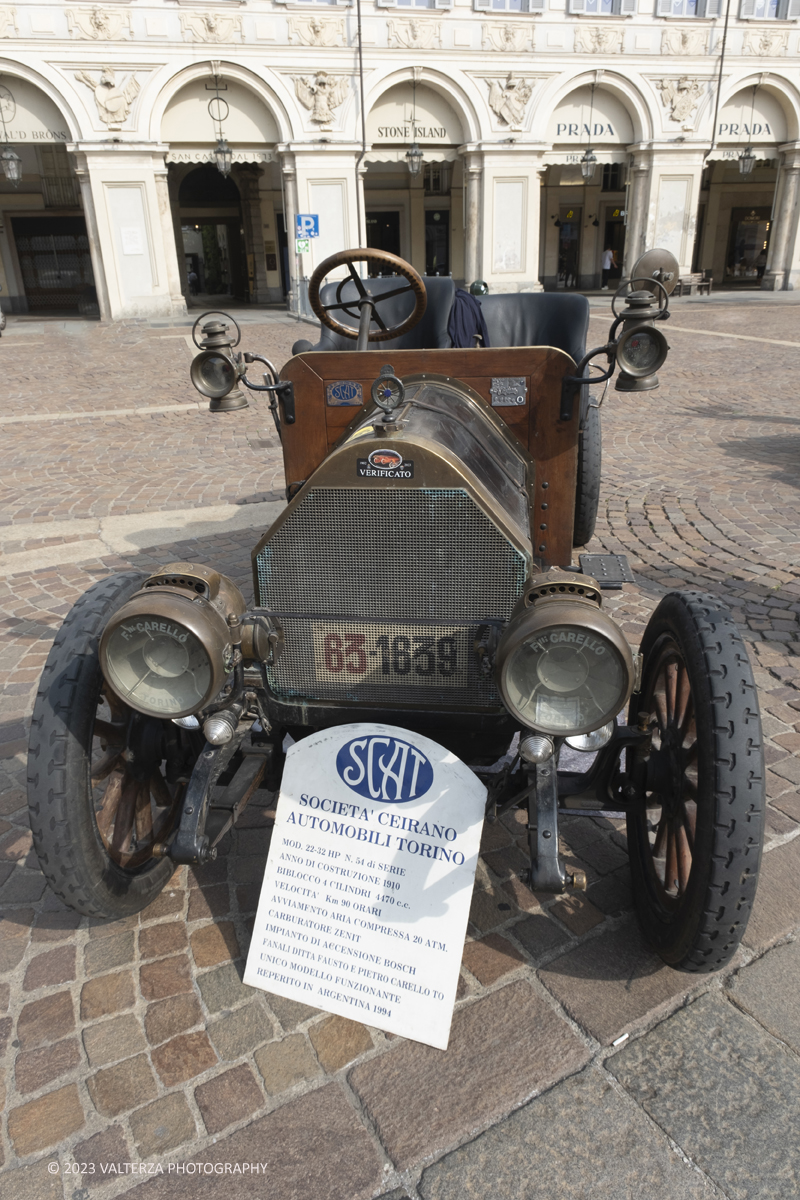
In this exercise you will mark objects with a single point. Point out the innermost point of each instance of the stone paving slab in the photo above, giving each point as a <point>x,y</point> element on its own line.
<point>150,1013</point>
<point>583,1139</point>
<point>769,990</point>
<point>726,1092</point>
<point>422,1100</point>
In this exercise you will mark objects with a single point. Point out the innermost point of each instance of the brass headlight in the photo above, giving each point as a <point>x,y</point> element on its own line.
<point>168,652</point>
<point>563,667</point>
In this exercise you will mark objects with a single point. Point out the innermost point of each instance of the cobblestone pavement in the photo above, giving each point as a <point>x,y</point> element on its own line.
<point>135,1042</point>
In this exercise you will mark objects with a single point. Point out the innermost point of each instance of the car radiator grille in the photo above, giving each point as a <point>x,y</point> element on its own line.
<point>382,593</point>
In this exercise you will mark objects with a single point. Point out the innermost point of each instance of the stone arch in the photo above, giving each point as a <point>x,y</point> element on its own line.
<point>230,72</point>
<point>19,71</point>
<point>453,94</point>
<point>621,91</point>
<point>781,98</point>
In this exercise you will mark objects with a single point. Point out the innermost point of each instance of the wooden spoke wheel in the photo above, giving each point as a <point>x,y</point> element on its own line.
<point>353,289</point>
<point>135,806</point>
<point>695,835</point>
<point>105,783</point>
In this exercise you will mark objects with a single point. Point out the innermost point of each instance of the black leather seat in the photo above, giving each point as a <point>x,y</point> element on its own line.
<point>429,334</point>
<point>537,319</point>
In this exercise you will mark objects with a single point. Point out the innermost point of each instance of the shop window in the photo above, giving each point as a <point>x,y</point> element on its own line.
<point>437,179</point>
<point>509,5</point>
<point>613,177</point>
<point>414,3</point>
<point>602,8</point>
<point>769,10</point>
<point>687,8</point>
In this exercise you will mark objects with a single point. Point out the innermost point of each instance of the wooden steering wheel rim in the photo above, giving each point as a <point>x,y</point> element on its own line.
<point>347,258</point>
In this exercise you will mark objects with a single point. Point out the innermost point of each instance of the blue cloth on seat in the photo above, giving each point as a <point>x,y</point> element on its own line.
<point>466,319</point>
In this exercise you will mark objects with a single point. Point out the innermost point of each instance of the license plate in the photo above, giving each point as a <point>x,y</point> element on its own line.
<point>397,656</point>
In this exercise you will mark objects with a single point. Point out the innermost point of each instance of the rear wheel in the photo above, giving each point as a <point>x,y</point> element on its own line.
<point>104,782</point>
<point>587,493</point>
<point>695,841</point>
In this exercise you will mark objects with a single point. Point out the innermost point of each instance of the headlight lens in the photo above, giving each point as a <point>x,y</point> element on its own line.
<point>158,666</point>
<point>588,742</point>
<point>213,374</point>
<point>561,675</point>
<point>166,653</point>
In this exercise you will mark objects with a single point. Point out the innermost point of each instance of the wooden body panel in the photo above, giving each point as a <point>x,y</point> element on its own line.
<point>551,443</point>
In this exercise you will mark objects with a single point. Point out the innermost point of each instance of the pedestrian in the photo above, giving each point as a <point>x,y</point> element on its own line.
<point>608,264</point>
<point>193,281</point>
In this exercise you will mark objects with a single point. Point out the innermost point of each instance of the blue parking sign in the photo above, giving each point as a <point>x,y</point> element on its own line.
<point>307,225</point>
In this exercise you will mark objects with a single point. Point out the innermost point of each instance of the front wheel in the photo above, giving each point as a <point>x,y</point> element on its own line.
<point>695,839</point>
<point>104,782</point>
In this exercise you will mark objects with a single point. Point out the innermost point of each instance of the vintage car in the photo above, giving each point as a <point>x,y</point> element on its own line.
<point>421,575</point>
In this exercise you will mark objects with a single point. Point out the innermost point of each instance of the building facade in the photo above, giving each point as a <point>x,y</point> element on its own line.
<point>114,112</point>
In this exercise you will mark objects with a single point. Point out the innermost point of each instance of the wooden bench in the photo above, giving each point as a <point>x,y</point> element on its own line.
<point>689,283</point>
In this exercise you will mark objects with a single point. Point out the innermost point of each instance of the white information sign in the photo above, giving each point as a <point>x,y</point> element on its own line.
<point>132,240</point>
<point>367,888</point>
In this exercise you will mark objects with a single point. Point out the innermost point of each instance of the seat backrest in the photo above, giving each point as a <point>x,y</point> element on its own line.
<point>429,334</point>
<point>538,319</point>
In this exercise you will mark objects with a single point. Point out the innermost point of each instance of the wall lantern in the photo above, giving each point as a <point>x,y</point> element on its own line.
<point>747,160</point>
<point>588,164</point>
<point>12,165</point>
<point>414,158</point>
<point>223,157</point>
<point>218,110</point>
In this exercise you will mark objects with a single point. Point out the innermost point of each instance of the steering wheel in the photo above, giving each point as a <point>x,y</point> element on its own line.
<point>353,306</point>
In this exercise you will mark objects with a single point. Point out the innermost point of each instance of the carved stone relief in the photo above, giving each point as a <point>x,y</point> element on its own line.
<point>509,100</point>
<point>8,22</point>
<point>321,94</point>
<point>316,31</point>
<point>211,27</point>
<point>684,41</point>
<point>681,97</point>
<point>765,41</point>
<point>98,24</point>
<point>113,100</point>
<point>512,36</point>
<point>415,34</point>
<point>597,39</point>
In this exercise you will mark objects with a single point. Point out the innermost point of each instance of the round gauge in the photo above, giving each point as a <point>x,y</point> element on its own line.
<point>388,392</point>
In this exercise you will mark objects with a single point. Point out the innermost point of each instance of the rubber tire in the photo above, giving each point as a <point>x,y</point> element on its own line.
<point>65,836</point>
<point>587,492</point>
<point>701,934</point>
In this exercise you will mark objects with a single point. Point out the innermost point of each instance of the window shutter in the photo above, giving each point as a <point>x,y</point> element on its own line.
<point>747,9</point>
<point>663,8</point>
<point>481,5</point>
<point>579,6</point>
<point>538,5</point>
<point>391,3</point>
<point>711,8</point>
<point>793,10</point>
<point>627,8</point>
<point>443,4</point>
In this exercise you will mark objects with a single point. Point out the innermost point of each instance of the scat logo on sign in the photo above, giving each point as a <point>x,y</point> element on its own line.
<point>384,768</point>
<point>385,459</point>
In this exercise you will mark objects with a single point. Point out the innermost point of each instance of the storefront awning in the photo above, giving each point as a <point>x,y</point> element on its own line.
<point>731,153</point>
<point>205,154</point>
<point>571,158</point>
<point>430,154</point>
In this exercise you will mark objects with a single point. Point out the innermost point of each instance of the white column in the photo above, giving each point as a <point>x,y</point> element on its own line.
<point>637,209</point>
<point>472,228</point>
<point>783,267</point>
<point>168,235</point>
<point>90,216</point>
<point>289,181</point>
